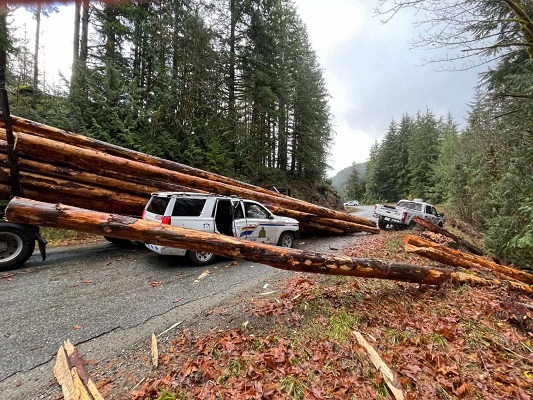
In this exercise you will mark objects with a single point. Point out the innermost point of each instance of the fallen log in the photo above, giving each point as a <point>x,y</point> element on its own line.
<point>446,255</point>
<point>92,197</point>
<point>339,225</point>
<point>52,189</point>
<point>46,131</point>
<point>77,176</point>
<point>87,159</point>
<point>437,229</point>
<point>66,217</point>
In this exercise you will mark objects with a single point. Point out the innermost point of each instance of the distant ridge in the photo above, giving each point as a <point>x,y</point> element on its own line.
<point>339,180</point>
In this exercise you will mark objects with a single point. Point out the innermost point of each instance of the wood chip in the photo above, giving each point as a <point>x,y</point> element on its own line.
<point>154,351</point>
<point>380,366</point>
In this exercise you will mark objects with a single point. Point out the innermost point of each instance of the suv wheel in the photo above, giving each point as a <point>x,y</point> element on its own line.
<point>201,257</point>
<point>286,239</point>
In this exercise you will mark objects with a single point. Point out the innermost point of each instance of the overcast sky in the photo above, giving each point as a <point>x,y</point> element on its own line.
<point>373,75</point>
<point>371,72</point>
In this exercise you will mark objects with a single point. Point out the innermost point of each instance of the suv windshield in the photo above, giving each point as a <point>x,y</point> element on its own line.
<point>158,205</point>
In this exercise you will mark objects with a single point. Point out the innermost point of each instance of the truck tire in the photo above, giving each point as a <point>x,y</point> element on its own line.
<point>382,224</point>
<point>201,257</point>
<point>16,245</point>
<point>121,242</point>
<point>286,239</point>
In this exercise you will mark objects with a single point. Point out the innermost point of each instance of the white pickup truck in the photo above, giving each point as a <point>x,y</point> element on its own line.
<point>232,216</point>
<point>401,215</point>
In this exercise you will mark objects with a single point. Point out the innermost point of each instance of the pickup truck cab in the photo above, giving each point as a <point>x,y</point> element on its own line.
<point>401,215</point>
<point>226,215</point>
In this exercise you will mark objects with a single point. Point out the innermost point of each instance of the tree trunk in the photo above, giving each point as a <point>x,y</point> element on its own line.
<point>84,44</point>
<point>59,216</point>
<point>38,10</point>
<point>445,255</point>
<point>437,229</point>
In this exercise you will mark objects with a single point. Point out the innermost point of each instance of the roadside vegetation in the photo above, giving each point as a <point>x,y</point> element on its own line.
<point>443,342</point>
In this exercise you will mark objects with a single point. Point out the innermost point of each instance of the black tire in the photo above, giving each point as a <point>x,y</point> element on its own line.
<point>118,241</point>
<point>201,257</point>
<point>382,224</point>
<point>286,239</point>
<point>16,245</point>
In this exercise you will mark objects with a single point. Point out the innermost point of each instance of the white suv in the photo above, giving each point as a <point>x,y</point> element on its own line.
<point>232,216</point>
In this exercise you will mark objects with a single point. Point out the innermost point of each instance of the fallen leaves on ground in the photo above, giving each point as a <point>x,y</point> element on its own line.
<point>440,342</point>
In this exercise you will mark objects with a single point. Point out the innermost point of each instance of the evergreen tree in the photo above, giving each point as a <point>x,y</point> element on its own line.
<point>355,186</point>
<point>423,144</point>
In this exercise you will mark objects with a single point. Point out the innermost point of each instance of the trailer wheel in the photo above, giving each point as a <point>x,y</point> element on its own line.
<point>201,257</point>
<point>16,245</point>
<point>382,224</point>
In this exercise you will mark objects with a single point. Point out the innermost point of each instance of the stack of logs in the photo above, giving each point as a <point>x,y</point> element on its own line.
<point>62,167</point>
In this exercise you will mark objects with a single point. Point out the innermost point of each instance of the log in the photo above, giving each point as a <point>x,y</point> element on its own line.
<point>86,159</point>
<point>59,216</point>
<point>446,255</point>
<point>56,190</point>
<point>77,176</point>
<point>46,131</point>
<point>306,218</point>
<point>437,229</point>
<point>92,197</point>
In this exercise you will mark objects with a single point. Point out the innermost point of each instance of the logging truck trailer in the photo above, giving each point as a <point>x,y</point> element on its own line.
<point>17,241</point>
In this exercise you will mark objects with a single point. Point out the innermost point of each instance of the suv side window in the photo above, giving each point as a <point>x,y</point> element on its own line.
<point>188,207</point>
<point>255,211</point>
<point>158,205</point>
<point>428,209</point>
<point>237,211</point>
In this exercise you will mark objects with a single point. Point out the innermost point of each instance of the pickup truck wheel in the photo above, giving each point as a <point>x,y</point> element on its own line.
<point>16,246</point>
<point>201,257</point>
<point>382,224</point>
<point>286,239</point>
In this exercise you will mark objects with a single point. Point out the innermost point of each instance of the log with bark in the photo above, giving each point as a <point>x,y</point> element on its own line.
<point>59,216</point>
<point>437,229</point>
<point>50,132</point>
<point>106,165</point>
<point>446,255</point>
<point>122,197</point>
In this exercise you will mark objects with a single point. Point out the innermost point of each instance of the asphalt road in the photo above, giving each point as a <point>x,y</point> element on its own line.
<point>105,299</point>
